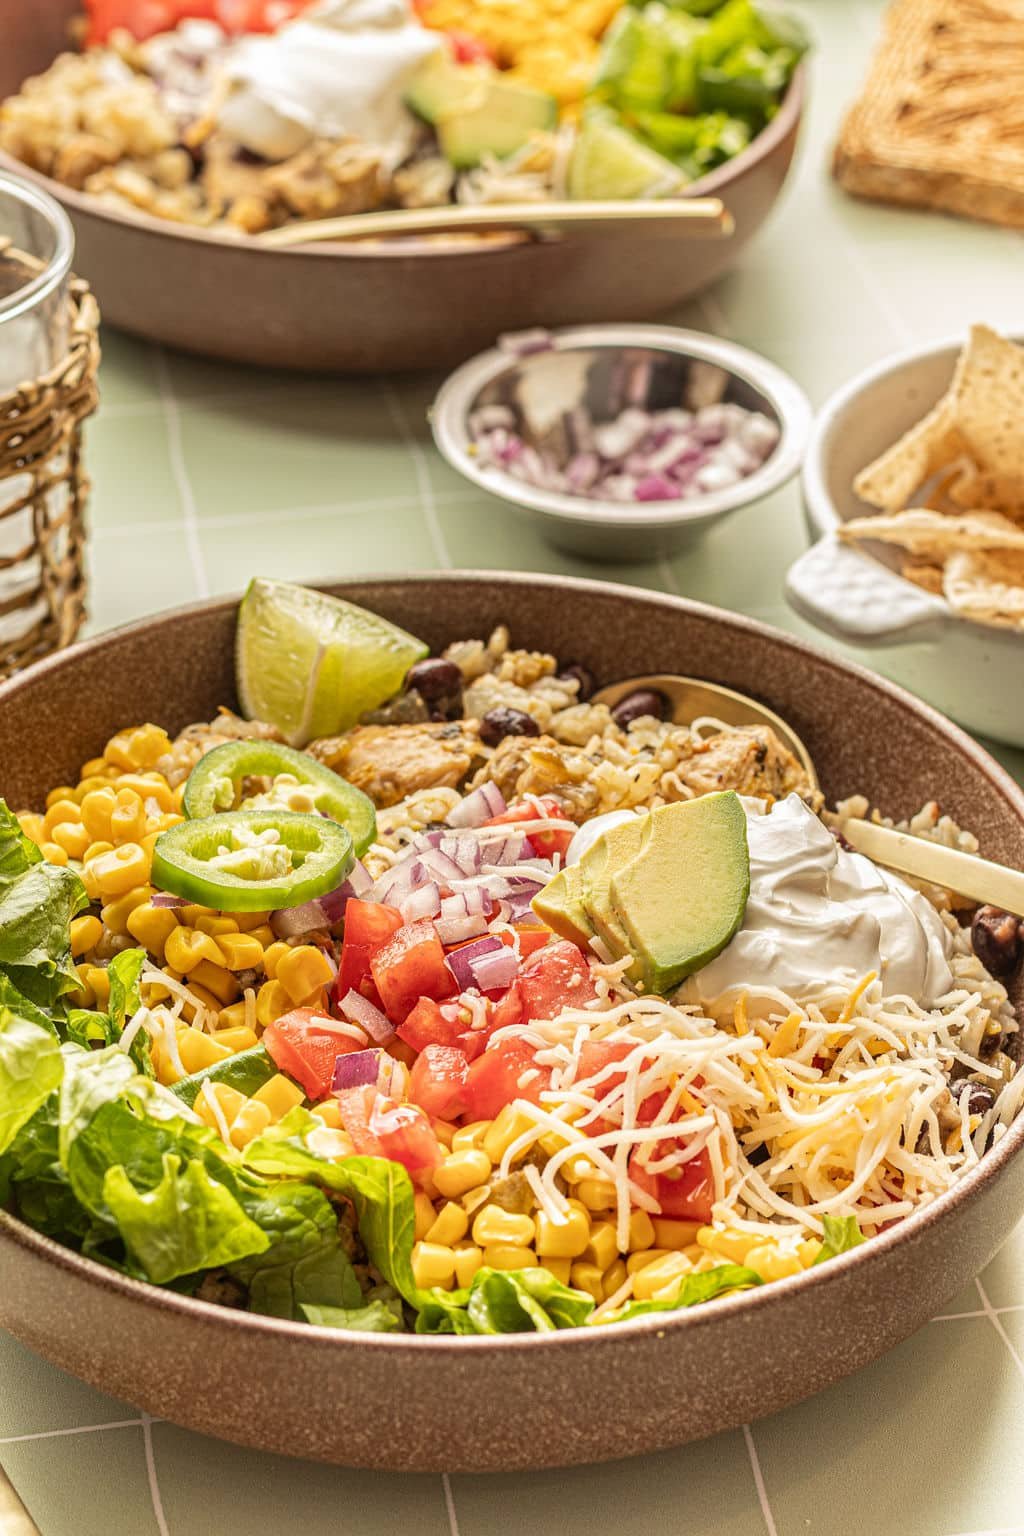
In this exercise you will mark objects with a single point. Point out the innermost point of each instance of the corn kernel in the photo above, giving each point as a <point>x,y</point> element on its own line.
<point>128,818</point>
<point>72,837</point>
<point>32,826</point>
<point>614,1276</point>
<point>563,1240</point>
<point>733,1246</point>
<point>118,871</point>
<point>149,786</point>
<point>95,849</point>
<point>274,953</point>
<point>329,1112</point>
<point>641,1231</point>
<point>474,1198</point>
<point>493,1225</point>
<point>602,1248</point>
<point>186,948</point>
<point>137,748</point>
<point>424,1214</point>
<point>461,1172</point>
<point>587,1277</point>
<point>674,1234</point>
<point>151,926</point>
<point>635,1262</point>
<point>331,1142</point>
<point>808,1249</point>
<point>664,1272</point>
<point>86,933</point>
<point>53,853</point>
<point>280,1095</point>
<point>247,921</point>
<point>97,808</point>
<point>271,1002</point>
<point>264,935</point>
<point>468,1259</point>
<point>240,951</point>
<point>773,1263</point>
<point>83,996</point>
<point>233,1017</point>
<point>92,781</point>
<point>560,1268</point>
<point>94,766</point>
<point>60,810</point>
<point>116,913</point>
<point>98,981</point>
<point>251,1121</point>
<point>229,1102</point>
<point>443,1130</point>
<point>596,1194</point>
<point>214,924</point>
<point>303,971</point>
<point>509,1123</point>
<point>469,1138</point>
<point>198,1049</point>
<point>240,1038</point>
<point>433,1265</point>
<point>451,1226</point>
<point>216,979</point>
<point>509,1256</point>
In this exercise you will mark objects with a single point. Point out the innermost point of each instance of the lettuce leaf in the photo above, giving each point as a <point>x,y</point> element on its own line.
<point>841,1234</point>
<point>30,1061</point>
<point>186,1223</point>
<point>524,1301</point>
<point>375,1317</point>
<point>35,919</point>
<point>324,1279</point>
<point>694,1290</point>
<point>17,852</point>
<point>90,1028</point>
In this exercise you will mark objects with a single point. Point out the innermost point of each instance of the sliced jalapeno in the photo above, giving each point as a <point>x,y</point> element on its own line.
<point>213,785</point>
<point>253,861</point>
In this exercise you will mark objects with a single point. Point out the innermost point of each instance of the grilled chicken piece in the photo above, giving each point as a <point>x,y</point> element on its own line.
<point>751,760</point>
<point>389,762</point>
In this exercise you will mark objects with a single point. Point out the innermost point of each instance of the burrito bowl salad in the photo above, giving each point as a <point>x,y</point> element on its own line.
<point>243,115</point>
<point>425,994</point>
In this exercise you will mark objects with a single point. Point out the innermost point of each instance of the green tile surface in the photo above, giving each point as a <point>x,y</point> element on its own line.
<point>205,474</point>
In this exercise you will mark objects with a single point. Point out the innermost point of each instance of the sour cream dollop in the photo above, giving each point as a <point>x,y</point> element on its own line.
<point>339,71</point>
<point>818,914</point>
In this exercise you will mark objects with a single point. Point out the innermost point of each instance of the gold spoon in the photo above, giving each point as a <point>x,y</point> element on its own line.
<point>667,217</point>
<point>978,879</point>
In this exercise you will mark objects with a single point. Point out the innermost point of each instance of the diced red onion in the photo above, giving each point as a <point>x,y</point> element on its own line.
<point>478,807</point>
<point>656,488</point>
<point>165,899</point>
<point>460,961</point>
<point>356,883</point>
<point>510,850</point>
<point>355,1068</point>
<point>424,901</point>
<point>496,970</point>
<point>290,922</point>
<point>441,866</point>
<point>358,1009</point>
<point>453,930</point>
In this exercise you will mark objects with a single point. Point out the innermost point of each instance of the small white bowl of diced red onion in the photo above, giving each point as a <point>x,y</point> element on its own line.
<point>624,441</point>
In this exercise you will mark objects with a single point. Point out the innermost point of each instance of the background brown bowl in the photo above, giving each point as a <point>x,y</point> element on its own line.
<point>521,1401</point>
<point>337,308</point>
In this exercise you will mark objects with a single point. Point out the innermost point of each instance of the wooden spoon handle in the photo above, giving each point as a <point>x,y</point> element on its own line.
<point>967,874</point>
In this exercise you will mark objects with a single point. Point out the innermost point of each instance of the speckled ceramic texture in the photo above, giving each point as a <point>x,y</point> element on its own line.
<point>377,310</point>
<point>408,1403</point>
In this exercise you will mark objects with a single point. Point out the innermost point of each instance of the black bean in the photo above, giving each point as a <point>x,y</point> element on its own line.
<point>575,673</point>
<point>980,1097</point>
<point>502,722</point>
<point>758,1155</point>
<point>996,937</point>
<point>435,679</point>
<point>645,701</point>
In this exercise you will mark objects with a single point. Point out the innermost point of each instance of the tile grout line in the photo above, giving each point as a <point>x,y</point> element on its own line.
<point>449,1504</point>
<point>179,470</point>
<point>78,1429</point>
<point>762,1493</point>
<point>428,503</point>
<point>993,1318</point>
<point>154,1486</point>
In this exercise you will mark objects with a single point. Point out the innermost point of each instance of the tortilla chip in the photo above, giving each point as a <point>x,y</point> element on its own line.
<point>934,535</point>
<point>970,487</point>
<point>986,585</point>
<point>920,453</point>
<point>988,394</point>
<point>929,577</point>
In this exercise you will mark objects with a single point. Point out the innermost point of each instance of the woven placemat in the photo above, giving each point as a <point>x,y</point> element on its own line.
<point>940,122</point>
<point>42,580</point>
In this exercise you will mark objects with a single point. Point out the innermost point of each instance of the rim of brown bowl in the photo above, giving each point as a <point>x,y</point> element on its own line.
<point>570,1339</point>
<point>712,185</point>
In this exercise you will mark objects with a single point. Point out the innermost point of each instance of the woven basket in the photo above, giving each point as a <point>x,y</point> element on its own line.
<point>43,490</point>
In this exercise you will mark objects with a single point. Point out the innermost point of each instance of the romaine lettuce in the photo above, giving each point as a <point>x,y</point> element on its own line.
<point>30,1060</point>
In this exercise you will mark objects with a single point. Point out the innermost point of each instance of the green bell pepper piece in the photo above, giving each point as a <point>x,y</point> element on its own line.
<point>321,853</point>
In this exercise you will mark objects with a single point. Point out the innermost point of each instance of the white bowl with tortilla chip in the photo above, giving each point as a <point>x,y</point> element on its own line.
<point>942,590</point>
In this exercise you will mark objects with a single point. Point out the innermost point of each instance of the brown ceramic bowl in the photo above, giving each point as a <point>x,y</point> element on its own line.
<point>520,1401</point>
<point>338,308</point>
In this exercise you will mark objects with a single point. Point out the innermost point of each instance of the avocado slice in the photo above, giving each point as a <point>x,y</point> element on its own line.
<point>682,895</point>
<point>560,905</point>
<point>477,112</point>
<point>613,849</point>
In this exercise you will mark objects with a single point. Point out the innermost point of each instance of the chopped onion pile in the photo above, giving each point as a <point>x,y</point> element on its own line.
<point>669,455</point>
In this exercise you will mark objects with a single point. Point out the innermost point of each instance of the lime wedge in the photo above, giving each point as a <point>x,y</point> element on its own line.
<point>311,664</point>
<point>608,162</point>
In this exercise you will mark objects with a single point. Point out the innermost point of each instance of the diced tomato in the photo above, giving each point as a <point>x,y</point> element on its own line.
<point>495,1078</point>
<point>355,1106</point>
<point>306,1045</point>
<point>142,18</point>
<point>532,936</point>
<point>438,1081</point>
<point>368,925</point>
<point>556,977</point>
<point>685,1193</point>
<point>546,843</point>
<point>469,49</point>
<point>504,1010</point>
<point>411,965</point>
<point>431,1023</point>
<point>378,1127</point>
<point>595,1055</point>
